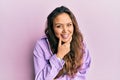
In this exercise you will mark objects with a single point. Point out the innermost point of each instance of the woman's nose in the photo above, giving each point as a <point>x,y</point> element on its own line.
<point>64,29</point>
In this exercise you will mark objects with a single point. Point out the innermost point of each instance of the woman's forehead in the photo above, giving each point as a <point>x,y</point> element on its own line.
<point>62,18</point>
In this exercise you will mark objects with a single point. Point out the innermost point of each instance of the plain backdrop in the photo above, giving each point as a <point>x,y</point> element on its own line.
<point>22,22</point>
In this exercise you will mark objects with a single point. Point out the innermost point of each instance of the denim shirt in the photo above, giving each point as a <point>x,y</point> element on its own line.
<point>47,65</point>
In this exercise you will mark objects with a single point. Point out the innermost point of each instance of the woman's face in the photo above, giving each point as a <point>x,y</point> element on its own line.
<point>63,27</point>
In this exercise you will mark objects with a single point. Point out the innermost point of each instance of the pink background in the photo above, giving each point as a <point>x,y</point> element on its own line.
<point>22,22</point>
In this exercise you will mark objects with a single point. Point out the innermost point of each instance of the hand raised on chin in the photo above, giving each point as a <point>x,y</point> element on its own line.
<point>63,49</point>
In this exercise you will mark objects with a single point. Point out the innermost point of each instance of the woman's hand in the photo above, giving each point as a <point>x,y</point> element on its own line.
<point>63,49</point>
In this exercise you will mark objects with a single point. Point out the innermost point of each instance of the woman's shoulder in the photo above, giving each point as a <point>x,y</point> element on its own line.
<point>86,56</point>
<point>43,37</point>
<point>42,41</point>
<point>86,50</point>
<point>42,48</point>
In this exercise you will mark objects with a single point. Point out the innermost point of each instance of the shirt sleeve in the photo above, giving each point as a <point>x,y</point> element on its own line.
<point>45,69</point>
<point>81,75</point>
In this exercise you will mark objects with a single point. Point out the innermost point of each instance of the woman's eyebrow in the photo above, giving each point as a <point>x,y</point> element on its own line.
<point>58,24</point>
<point>69,22</point>
<point>62,23</point>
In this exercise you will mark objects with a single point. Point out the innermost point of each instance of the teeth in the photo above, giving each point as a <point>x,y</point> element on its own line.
<point>65,36</point>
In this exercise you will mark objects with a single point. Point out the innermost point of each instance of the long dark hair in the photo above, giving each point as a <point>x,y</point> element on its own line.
<point>73,60</point>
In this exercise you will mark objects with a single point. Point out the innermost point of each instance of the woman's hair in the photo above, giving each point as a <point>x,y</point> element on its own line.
<point>73,60</point>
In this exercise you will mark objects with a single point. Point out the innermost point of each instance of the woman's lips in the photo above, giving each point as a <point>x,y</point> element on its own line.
<point>65,36</point>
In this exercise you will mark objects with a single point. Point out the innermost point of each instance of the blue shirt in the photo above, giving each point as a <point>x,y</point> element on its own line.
<point>47,65</point>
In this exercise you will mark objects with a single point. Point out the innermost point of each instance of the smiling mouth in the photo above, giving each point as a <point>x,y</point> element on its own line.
<point>65,36</point>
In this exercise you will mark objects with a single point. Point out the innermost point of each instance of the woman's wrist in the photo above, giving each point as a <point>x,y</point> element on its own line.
<point>58,56</point>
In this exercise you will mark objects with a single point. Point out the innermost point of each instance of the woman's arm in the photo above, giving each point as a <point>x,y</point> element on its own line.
<point>45,69</point>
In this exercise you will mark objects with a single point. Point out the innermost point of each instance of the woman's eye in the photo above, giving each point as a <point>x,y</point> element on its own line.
<point>58,26</point>
<point>69,25</point>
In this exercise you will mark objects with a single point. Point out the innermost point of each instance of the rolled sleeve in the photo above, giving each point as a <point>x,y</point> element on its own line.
<point>56,62</point>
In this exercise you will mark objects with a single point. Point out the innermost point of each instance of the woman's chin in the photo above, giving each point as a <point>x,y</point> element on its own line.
<point>64,40</point>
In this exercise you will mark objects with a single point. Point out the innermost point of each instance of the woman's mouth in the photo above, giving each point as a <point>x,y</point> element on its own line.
<point>65,36</point>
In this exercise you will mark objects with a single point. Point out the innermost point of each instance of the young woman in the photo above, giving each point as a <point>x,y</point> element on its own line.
<point>61,54</point>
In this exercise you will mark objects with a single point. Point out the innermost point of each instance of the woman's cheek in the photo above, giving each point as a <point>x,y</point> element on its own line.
<point>57,35</point>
